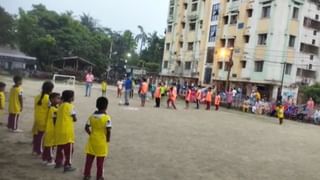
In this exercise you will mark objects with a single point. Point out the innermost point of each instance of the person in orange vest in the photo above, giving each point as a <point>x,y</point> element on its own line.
<point>143,92</point>
<point>209,98</point>
<point>157,95</point>
<point>217,101</point>
<point>188,97</point>
<point>172,98</point>
<point>198,97</point>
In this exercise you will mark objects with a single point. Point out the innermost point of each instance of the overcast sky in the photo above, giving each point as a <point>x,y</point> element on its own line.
<point>116,14</point>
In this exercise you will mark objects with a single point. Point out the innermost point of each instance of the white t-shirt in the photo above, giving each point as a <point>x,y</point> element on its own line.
<point>119,84</point>
<point>234,92</point>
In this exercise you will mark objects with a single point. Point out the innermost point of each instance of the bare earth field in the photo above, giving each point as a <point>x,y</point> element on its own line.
<point>162,144</point>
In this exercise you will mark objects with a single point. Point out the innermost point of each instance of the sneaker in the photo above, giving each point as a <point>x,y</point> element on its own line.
<point>52,163</point>
<point>100,178</point>
<point>86,178</point>
<point>44,162</point>
<point>69,169</point>
<point>17,131</point>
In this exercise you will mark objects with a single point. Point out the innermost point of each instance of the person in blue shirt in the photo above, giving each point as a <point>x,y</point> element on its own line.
<point>128,88</point>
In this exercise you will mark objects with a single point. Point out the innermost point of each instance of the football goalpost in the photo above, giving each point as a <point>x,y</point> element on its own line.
<point>63,82</point>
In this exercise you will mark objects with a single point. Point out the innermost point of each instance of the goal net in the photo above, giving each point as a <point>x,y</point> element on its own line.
<point>63,82</point>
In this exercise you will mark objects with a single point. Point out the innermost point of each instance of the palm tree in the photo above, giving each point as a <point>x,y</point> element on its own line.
<point>141,38</point>
<point>88,21</point>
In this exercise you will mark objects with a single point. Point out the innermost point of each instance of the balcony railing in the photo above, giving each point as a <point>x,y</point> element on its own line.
<point>308,48</point>
<point>311,23</point>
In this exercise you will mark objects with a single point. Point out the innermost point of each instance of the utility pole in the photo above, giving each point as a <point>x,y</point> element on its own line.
<point>230,64</point>
<point>282,81</point>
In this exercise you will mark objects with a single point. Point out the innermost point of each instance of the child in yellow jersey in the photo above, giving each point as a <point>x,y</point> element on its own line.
<point>64,131</point>
<point>2,99</point>
<point>48,142</point>
<point>15,104</point>
<point>281,114</point>
<point>41,108</point>
<point>99,129</point>
<point>104,88</point>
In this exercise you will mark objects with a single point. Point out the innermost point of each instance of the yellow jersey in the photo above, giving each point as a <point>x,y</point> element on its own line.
<point>64,127</point>
<point>104,86</point>
<point>49,132</point>
<point>40,113</point>
<point>14,102</point>
<point>2,100</point>
<point>281,112</point>
<point>97,144</point>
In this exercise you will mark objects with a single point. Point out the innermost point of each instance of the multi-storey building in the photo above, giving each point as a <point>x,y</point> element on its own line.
<point>270,40</point>
<point>184,38</point>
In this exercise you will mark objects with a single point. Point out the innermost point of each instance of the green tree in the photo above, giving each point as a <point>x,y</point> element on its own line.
<point>7,28</point>
<point>88,21</point>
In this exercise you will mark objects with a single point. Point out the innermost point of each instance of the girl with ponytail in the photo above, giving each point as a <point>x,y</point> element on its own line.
<point>41,108</point>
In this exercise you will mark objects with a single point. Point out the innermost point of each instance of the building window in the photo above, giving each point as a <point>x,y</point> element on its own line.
<point>212,33</point>
<point>288,69</point>
<point>246,38</point>
<point>262,39</point>
<point>243,64</point>
<point>266,12</point>
<point>295,13</point>
<point>192,26</point>
<point>165,64</point>
<point>230,43</point>
<point>171,10</point>
<point>194,7</point>
<point>181,44</point>
<point>168,46</point>
<point>249,12</point>
<point>210,55</point>
<point>169,28</point>
<point>201,23</point>
<point>207,75</point>
<point>226,19</point>
<point>313,41</point>
<point>311,57</point>
<point>187,65</point>
<point>190,46</point>
<point>185,6</point>
<point>310,66</point>
<point>215,12</point>
<point>234,19</point>
<point>314,33</point>
<point>220,65</point>
<point>223,42</point>
<point>292,40</point>
<point>226,67</point>
<point>183,24</point>
<point>258,66</point>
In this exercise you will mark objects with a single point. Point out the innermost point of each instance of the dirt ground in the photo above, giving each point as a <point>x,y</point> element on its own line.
<point>162,144</point>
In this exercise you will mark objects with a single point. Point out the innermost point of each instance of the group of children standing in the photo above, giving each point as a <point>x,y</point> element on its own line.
<point>53,127</point>
<point>173,94</point>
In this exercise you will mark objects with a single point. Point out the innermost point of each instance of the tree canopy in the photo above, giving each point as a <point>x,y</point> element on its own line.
<point>49,36</point>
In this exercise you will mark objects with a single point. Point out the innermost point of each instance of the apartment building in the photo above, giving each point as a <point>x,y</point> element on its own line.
<point>268,40</point>
<point>187,22</point>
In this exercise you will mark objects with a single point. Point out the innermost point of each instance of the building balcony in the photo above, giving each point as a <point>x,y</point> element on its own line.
<point>234,6</point>
<point>193,16</point>
<point>311,23</point>
<point>309,48</point>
